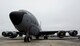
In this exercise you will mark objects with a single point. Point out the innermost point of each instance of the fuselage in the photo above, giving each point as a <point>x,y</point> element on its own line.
<point>24,21</point>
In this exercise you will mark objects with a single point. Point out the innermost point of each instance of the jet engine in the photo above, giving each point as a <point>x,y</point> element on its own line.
<point>73,33</point>
<point>5,33</point>
<point>12,34</point>
<point>61,34</point>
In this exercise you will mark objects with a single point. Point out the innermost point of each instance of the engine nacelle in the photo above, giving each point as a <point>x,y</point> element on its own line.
<point>12,34</point>
<point>73,33</point>
<point>61,34</point>
<point>5,33</point>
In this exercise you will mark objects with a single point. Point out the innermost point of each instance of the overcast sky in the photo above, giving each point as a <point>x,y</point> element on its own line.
<point>52,14</point>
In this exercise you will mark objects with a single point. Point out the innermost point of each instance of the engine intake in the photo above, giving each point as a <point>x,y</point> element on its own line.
<point>73,33</point>
<point>12,34</point>
<point>61,34</point>
<point>5,34</point>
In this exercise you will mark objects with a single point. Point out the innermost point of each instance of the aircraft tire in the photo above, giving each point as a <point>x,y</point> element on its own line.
<point>27,39</point>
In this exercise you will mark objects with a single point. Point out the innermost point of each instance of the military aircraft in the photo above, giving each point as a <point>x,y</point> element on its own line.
<point>27,24</point>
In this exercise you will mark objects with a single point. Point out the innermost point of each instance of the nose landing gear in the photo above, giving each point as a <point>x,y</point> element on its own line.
<point>28,38</point>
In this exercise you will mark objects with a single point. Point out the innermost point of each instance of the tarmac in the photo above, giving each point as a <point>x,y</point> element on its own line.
<point>52,41</point>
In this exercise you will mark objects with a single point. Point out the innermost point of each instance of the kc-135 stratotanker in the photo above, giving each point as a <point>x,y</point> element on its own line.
<point>27,25</point>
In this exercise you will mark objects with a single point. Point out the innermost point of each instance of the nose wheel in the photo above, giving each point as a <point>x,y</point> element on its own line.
<point>28,38</point>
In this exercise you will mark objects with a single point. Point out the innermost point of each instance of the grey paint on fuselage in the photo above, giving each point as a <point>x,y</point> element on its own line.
<point>28,21</point>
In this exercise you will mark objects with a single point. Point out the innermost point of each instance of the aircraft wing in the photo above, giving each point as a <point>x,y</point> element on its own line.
<point>47,32</point>
<point>60,34</point>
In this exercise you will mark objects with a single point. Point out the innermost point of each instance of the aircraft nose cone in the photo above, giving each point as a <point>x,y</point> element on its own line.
<point>16,17</point>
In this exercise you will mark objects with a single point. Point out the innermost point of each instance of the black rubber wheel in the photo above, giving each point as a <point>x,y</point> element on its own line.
<point>27,39</point>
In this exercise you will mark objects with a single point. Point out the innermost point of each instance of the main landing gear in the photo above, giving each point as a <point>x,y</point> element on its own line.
<point>45,37</point>
<point>28,38</point>
<point>37,37</point>
<point>79,37</point>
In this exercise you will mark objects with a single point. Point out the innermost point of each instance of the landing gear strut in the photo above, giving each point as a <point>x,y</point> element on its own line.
<point>79,37</point>
<point>45,37</point>
<point>37,37</point>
